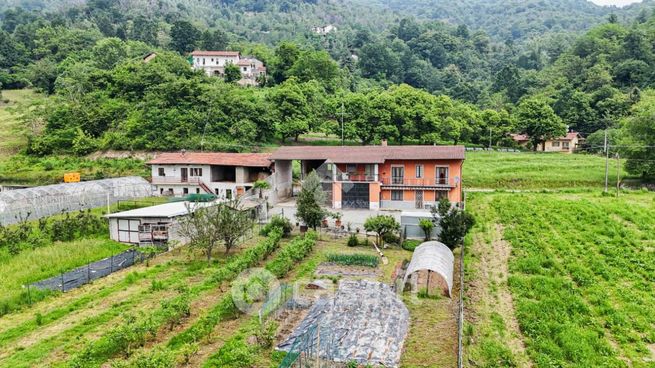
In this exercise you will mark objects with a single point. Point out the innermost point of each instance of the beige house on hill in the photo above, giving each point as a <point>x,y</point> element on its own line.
<point>213,63</point>
<point>566,144</point>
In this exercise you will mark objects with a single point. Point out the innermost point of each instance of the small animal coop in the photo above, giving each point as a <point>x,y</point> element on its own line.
<point>431,269</point>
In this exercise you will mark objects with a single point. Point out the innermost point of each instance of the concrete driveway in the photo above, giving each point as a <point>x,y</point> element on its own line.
<point>356,217</point>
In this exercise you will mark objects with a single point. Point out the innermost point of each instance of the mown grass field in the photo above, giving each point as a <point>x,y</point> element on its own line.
<point>41,263</point>
<point>535,171</point>
<point>580,288</point>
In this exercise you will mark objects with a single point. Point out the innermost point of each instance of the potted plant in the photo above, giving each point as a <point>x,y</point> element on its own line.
<point>337,219</point>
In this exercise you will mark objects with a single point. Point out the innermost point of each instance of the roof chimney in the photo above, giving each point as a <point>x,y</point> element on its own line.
<point>383,143</point>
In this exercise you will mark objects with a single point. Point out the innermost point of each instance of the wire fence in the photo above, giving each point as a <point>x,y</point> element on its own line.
<point>460,314</point>
<point>85,274</point>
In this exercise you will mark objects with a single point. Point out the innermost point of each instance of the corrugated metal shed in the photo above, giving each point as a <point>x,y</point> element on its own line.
<point>433,256</point>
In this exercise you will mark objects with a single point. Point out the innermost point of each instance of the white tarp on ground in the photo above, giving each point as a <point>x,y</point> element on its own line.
<point>54,199</point>
<point>365,321</point>
<point>433,256</point>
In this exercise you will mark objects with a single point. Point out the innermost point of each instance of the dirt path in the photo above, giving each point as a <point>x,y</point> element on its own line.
<point>489,292</point>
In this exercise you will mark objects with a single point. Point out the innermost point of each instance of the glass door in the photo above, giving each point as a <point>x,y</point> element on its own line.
<point>398,175</point>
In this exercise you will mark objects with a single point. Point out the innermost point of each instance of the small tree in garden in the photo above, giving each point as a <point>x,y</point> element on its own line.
<point>207,227</point>
<point>426,225</point>
<point>381,225</point>
<point>261,185</point>
<point>454,227</point>
<point>308,205</point>
<point>232,223</point>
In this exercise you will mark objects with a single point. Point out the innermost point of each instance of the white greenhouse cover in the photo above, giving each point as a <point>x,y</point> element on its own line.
<point>49,200</point>
<point>433,256</point>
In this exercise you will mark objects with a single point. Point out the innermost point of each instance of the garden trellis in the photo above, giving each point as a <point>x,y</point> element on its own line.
<point>37,202</point>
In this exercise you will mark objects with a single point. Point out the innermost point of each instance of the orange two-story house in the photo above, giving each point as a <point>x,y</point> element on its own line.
<point>399,177</point>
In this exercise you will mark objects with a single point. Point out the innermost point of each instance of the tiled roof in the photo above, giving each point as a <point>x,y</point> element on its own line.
<point>368,154</point>
<point>569,136</point>
<point>213,158</point>
<point>215,53</point>
<point>524,137</point>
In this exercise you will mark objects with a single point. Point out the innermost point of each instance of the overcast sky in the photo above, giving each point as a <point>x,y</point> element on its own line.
<point>615,2</point>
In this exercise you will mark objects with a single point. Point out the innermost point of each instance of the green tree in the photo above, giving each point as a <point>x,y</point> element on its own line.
<point>381,225</point>
<point>310,199</point>
<point>207,227</point>
<point>286,55</point>
<point>232,73</point>
<point>426,225</point>
<point>261,186</point>
<point>292,110</point>
<point>184,36</point>
<point>537,119</point>
<point>454,227</point>
<point>639,133</point>
<point>108,52</point>
<point>316,65</point>
<point>217,40</point>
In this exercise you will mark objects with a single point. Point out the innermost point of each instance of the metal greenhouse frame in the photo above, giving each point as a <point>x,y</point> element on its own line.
<point>34,203</point>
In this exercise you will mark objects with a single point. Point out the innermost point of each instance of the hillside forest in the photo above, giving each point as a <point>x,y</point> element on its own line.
<point>395,75</point>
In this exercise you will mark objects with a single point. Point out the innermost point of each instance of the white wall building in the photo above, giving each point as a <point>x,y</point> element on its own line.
<point>214,63</point>
<point>226,175</point>
<point>323,30</point>
<point>151,225</point>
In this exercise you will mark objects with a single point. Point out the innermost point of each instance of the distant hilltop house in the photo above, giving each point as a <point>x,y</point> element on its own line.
<point>214,63</point>
<point>324,29</point>
<point>566,144</point>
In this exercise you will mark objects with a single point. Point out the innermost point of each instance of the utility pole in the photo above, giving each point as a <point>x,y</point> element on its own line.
<point>342,139</point>
<point>618,174</point>
<point>607,162</point>
<point>489,138</point>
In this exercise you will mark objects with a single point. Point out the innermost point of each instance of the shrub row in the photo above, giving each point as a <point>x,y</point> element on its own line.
<point>357,259</point>
<point>237,352</point>
<point>294,252</point>
<point>50,229</point>
<point>226,308</point>
<point>136,331</point>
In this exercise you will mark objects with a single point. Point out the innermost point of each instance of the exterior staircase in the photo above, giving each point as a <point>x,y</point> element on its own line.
<point>205,187</point>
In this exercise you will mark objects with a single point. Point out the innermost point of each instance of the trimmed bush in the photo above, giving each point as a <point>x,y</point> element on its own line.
<point>411,244</point>
<point>277,221</point>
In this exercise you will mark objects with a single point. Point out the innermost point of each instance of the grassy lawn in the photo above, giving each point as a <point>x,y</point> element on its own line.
<point>580,276</point>
<point>50,260</point>
<point>535,171</point>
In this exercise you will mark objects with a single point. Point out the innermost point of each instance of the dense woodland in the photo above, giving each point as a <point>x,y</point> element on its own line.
<point>390,75</point>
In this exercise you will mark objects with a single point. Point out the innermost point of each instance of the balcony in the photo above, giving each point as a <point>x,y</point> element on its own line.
<point>174,180</point>
<point>400,181</point>
<point>328,176</point>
